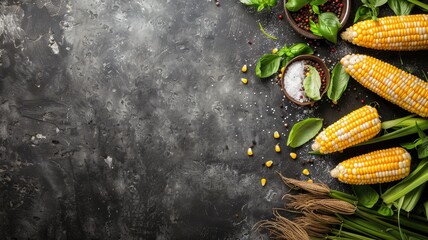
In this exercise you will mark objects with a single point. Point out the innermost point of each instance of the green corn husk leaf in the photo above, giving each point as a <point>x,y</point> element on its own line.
<point>416,178</point>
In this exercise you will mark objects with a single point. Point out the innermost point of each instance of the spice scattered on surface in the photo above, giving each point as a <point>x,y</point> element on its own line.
<point>277,148</point>
<point>244,80</point>
<point>250,152</point>
<point>305,172</point>
<point>286,125</point>
<point>244,68</point>
<point>263,181</point>
<point>280,17</point>
<point>269,163</point>
<point>293,155</point>
<point>276,135</point>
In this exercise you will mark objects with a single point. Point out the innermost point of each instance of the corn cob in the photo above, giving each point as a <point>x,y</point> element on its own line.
<point>380,166</point>
<point>356,127</point>
<point>397,33</point>
<point>389,82</point>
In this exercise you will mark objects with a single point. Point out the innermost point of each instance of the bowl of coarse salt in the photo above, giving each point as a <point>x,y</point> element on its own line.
<point>298,73</point>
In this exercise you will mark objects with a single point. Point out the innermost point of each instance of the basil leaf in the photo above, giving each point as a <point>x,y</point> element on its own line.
<point>299,49</point>
<point>377,3</point>
<point>316,9</point>
<point>338,83</point>
<point>303,131</point>
<point>251,3</point>
<point>267,65</point>
<point>314,28</point>
<point>295,5</point>
<point>363,13</point>
<point>260,7</point>
<point>312,84</point>
<point>328,26</point>
<point>400,7</point>
<point>317,2</point>
<point>366,195</point>
<point>283,51</point>
<point>271,3</point>
<point>385,210</point>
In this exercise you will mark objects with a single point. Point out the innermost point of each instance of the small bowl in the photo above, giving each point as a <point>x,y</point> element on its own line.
<point>311,58</point>
<point>346,11</point>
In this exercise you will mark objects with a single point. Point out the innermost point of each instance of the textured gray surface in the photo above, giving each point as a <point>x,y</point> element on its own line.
<point>127,119</point>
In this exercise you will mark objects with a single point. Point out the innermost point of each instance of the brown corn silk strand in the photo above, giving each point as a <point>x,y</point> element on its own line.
<point>282,228</point>
<point>314,188</point>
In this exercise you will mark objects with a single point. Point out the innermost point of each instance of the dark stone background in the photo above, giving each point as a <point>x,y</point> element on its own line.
<point>128,120</point>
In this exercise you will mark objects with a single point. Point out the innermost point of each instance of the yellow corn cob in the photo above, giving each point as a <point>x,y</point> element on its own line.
<point>356,127</point>
<point>380,166</point>
<point>397,33</point>
<point>389,82</point>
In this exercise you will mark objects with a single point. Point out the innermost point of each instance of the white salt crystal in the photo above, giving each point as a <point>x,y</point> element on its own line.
<point>293,81</point>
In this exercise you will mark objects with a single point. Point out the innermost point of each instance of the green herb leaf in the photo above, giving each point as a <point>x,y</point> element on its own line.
<point>366,195</point>
<point>385,210</point>
<point>338,83</point>
<point>317,2</point>
<point>260,7</point>
<point>312,84</point>
<point>304,131</point>
<point>316,9</point>
<point>400,7</point>
<point>283,51</point>
<point>251,3</point>
<point>376,3</point>
<point>314,28</point>
<point>363,13</point>
<point>268,65</point>
<point>265,33</point>
<point>259,4</point>
<point>299,49</point>
<point>328,26</point>
<point>295,5</point>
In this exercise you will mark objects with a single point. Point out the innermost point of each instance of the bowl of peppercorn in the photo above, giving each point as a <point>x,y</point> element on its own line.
<point>304,17</point>
<point>305,80</point>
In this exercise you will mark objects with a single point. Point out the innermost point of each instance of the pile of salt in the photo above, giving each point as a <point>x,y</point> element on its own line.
<point>293,81</point>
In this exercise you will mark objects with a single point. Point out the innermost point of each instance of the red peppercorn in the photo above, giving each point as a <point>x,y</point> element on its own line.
<point>280,17</point>
<point>362,101</point>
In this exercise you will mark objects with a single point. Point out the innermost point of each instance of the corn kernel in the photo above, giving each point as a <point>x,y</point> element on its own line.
<point>263,181</point>
<point>276,134</point>
<point>244,68</point>
<point>293,155</point>
<point>244,80</point>
<point>275,50</point>
<point>269,163</point>
<point>282,70</point>
<point>250,152</point>
<point>280,76</point>
<point>310,181</point>
<point>305,172</point>
<point>277,148</point>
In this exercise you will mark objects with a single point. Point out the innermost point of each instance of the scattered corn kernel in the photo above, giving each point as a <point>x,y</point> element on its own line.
<point>282,70</point>
<point>305,171</point>
<point>250,152</point>
<point>293,155</point>
<point>276,134</point>
<point>277,148</point>
<point>280,76</point>
<point>269,163</point>
<point>244,68</point>
<point>310,181</point>
<point>244,80</point>
<point>275,50</point>
<point>263,181</point>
